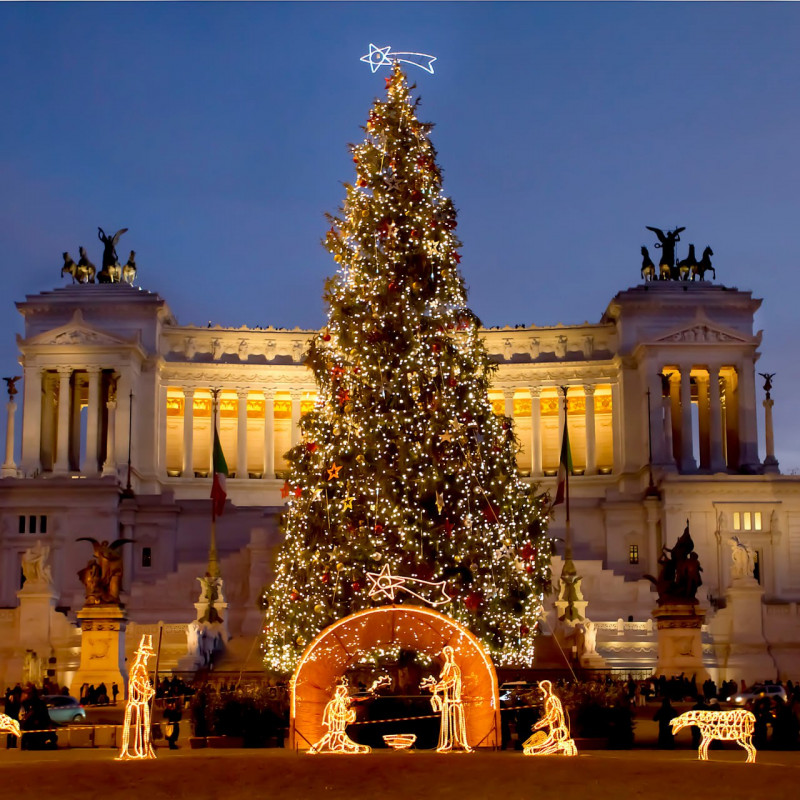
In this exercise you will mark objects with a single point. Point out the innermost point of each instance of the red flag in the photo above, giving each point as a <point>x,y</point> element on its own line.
<point>218,488</point>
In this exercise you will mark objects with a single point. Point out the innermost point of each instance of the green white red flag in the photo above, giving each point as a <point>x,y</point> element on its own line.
<point>564,467</point>
<point>218,488</point>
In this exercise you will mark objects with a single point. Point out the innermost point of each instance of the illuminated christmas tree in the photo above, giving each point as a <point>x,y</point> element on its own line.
<point>404,467</point>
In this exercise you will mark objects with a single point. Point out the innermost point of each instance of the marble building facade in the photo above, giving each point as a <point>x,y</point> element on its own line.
<point>663,412</point>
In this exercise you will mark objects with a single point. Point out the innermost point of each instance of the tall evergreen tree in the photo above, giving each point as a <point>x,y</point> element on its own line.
<point>403,462</point>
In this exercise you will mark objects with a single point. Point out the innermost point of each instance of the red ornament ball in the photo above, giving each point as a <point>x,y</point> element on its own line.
<point>529,568</point>
<point>325,577</point>
<point>524,630</point>
<point>356,586</point>
<point>293,596</point>
<point>473,601</point>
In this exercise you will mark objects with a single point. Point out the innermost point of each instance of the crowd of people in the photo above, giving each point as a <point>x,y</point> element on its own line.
<point>26,704</point>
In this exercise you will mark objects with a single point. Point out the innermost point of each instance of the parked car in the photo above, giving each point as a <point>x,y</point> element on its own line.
<point>756,691</point>
<point>63,708</point>
<point>511,688</point>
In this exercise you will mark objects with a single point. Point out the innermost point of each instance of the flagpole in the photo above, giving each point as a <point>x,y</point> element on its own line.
<point>567,532</point>
<point>213,560</point>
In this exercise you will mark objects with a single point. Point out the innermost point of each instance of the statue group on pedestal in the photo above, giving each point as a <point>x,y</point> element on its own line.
<point>111,272</point>
<point>686,269</point>
<point>679,572</point>
<point>102,576</point>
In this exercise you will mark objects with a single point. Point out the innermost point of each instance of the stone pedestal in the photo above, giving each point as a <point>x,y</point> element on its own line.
<point>36,604</point>
<point>102,648</point>
<point>680,648</point>
<point>738,632</point>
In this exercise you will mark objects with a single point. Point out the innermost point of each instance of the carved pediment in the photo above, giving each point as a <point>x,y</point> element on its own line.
<point>76,332</point>
<point>704,334</point>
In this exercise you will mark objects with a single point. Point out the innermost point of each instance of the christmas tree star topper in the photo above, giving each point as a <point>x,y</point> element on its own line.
<point>383,57</point>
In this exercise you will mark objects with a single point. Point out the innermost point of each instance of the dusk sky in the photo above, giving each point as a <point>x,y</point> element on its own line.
<point>217,133</point>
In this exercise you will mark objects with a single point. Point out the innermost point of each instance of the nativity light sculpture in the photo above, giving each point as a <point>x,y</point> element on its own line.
<point>446,699</point>
<point>9,726</point>
<point>556,740</point>
<point>137,711</point>
<point>337,715</point>
<point>731,726</point>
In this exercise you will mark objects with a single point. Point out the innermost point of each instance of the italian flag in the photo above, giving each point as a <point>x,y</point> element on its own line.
<point>564,467</point>
<point>218,491</point>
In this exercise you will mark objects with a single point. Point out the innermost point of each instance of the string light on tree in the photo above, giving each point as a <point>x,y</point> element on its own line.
<point>403,464</point>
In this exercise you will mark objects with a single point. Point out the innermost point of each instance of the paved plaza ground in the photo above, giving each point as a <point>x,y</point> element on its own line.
<point>275,773</point>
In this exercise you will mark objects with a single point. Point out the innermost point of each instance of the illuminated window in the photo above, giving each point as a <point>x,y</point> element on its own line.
<point>633,554</point>
<point>756,520</point>
<point>748,525</point>
<point>737,521</point>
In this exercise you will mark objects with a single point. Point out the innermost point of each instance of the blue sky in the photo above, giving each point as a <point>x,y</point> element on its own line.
<point>217,133</point>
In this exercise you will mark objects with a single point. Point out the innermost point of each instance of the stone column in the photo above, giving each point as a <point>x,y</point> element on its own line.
<point>92,456</point>
<point>47,450</point>
<point>297,396</point>
<point>675,414</point>
<point>656,421</point>
<point>536,432</point>
<point>31,421</point>
<point>187,467</point>
<point>703,420</point>
<point>211,427</point>
<point>79,381</point>
<point>508,401</point>
<point>9,469</point>
<point>241,434</point>
<point>687,457</point>
<point>616,426</point>
<point>716,455</point>
<point>591,439</point>
<point>748,423</point>
<point>161,416</point>
<point>62,446</point>
<point>770,462</point>
<point>666,406</point>
<point>110,464</point>
<point>269,434</point>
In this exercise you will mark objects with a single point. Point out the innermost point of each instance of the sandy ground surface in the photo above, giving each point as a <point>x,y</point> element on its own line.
<point>274,773</point>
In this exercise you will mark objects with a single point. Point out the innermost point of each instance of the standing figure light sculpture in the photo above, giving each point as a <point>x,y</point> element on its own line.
<point>337,716</point>
<point>447,700</point>
<point>557,739</point>
<point>137,711</point>
<point>736,726</point>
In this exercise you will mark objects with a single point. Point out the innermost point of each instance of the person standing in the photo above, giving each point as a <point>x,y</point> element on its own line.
<point>172,718</point>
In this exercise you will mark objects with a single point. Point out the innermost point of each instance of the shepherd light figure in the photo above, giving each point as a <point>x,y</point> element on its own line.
<point>447,700</point>
<point>137,711</point>
<point>557,739</point>
<point>336,717</point>
<point>9,726</point>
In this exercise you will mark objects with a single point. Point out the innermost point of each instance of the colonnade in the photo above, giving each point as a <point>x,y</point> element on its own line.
<point>726,434</point>
<point>55,436</point>
<point>255,431</point>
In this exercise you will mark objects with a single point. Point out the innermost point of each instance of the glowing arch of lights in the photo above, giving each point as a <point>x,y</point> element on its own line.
<point>340,645</point>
